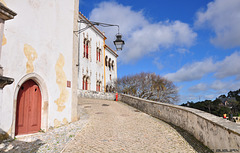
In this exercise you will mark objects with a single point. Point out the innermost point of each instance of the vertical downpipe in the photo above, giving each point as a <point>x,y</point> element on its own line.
<point>104,65</point>
<point>78,62</point>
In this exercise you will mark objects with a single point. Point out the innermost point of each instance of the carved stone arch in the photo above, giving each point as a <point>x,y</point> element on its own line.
<point>45,103</point>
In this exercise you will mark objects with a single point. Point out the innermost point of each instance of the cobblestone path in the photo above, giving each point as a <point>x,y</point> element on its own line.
<point>117,127</point>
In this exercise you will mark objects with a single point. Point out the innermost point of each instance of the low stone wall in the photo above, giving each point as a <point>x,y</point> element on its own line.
<point>95,95</point>
<point>219,134</point>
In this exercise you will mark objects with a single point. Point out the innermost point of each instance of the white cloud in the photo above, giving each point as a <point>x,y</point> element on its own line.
<point>230,66</point>
<point>209,97</point>
<point>183,50</point>
<point>198,87</point>
<point>192,72</point>
<point>141,36</point>
<point>225,86</point>
<point>157,63</point>
<point>222,16</point>
<point>218,85</point>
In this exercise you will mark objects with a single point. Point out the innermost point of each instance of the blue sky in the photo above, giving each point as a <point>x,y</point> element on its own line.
<point>196,43</point>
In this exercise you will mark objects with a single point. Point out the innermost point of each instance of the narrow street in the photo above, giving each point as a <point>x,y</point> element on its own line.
<point>117,127</point>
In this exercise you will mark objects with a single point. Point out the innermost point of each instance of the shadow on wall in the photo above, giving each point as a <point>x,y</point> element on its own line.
<point>196,144</point>
<point>7,144</point>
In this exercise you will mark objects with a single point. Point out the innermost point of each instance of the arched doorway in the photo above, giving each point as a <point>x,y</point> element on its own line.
<point>28,111</point>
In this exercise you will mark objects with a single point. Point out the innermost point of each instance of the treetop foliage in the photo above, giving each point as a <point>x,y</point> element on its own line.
<point>223,104</point>
<point>148,86</point>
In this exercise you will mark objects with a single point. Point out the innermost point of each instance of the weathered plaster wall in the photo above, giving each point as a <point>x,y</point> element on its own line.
<point>215,132</point>
<point>95,95</point>
<point>40,41</point>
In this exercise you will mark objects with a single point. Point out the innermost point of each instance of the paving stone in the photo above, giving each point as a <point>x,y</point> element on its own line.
<point>120,128</point>
<point>115,128</point>
<point>53,140</point>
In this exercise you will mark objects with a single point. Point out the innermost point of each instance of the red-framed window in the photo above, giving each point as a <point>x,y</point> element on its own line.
<point>85,84</point>
<point>97,53</point>
<point>85,49</point>
<point>98,86</point>
<point>99,56</point>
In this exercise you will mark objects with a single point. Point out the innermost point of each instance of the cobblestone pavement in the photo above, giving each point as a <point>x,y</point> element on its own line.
<point>117,127</point>
<point>53,140</point>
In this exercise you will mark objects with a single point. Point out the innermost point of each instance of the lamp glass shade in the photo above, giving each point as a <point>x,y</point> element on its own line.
<point>119,42</point>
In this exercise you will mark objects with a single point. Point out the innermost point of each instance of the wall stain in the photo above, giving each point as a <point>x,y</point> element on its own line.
<point>4,40</point>
<point>65,121</point>
<point>3,2</point>
<point>31,55</point>
<point>45,106</point>
<point>61,80</point>
<point>9,131</point>
<point>57,123</point>
<point>35,4</point>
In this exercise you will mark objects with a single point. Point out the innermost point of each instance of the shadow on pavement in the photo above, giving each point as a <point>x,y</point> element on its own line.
<point>196,144</point>
<point>11,146</point>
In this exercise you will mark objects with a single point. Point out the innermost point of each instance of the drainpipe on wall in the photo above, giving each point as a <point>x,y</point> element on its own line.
<point>104,64</point>
<point>78,62</point>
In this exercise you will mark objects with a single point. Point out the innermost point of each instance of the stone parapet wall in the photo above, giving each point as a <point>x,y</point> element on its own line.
<point>95,95</point>
<point>217,133</point>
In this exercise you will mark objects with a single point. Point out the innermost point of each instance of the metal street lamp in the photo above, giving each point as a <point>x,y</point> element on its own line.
<point>118,42</point>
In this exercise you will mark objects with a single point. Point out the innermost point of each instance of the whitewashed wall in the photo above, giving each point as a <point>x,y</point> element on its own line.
<point>90,67</point>
<point>39,43</point>
<point>111,72</point>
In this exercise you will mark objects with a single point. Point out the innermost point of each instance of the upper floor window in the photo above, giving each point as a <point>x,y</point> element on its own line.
<point>106,61</point>
<point>98,54</point>
<point>109,64</point>
<point>113,65</point>
<point>86,48</point>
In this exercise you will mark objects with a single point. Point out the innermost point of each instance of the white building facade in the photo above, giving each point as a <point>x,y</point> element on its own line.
<point>39,49</point>
<point>50,61</point>
<point>95,59</point>
<point>110,69</point>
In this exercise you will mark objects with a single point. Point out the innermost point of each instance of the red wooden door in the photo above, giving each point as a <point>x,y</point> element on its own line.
<point>28,116</point>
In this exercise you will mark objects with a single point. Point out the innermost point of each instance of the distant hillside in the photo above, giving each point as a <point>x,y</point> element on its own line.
<point>224,104</point>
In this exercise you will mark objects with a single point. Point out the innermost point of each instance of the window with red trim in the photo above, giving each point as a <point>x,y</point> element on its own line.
<point>87,50</point>
<point>83,84</point>
<point>97,53</point>
<point>86,85</point>
<point>84,49</point>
